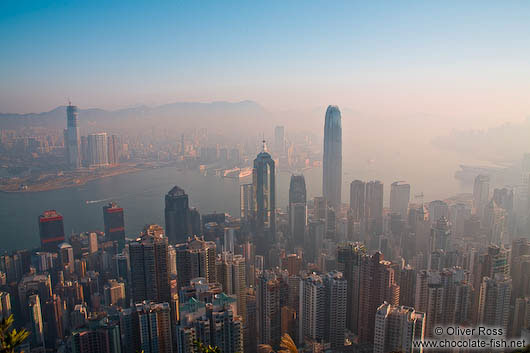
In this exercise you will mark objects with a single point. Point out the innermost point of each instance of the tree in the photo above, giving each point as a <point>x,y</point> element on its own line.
<point>202,348</point>
<point>287,345</point>
<point>10,339</point>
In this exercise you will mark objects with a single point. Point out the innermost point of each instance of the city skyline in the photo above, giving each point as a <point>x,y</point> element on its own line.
<point>195,193</point>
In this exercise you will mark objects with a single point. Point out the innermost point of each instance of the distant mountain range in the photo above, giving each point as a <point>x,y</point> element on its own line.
<point>180,115</point>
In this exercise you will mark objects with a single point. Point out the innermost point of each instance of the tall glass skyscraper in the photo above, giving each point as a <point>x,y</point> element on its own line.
<point>72,138</point>
<point>263,176</point>
<point>332,178</point>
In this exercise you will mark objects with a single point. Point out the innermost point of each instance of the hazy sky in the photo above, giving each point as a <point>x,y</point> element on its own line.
<point>460,59</point>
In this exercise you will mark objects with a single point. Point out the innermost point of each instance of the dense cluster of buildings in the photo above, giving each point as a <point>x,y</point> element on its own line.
<point>352,277</point>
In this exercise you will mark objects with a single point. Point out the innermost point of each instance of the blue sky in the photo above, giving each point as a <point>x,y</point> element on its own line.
<point>448,57</point>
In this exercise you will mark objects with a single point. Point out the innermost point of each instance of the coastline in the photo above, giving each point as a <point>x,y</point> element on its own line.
<point>78,179</point>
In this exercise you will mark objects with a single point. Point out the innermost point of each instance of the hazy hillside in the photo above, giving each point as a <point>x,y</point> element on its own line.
<point>220,116</point>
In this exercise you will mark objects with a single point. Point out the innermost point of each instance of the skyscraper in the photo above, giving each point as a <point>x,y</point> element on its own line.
<point>263,177</point>
<point>177,215</point>
<point>332,159</point>
<point>268,309</point>
<point>246,203</point>
<point>35,316</point>
<point>377,286</point>
<point>51,229</point>
<point>297,209</point>
<point>114,224</point>
<point>213,323</point>
<point>349,260</point>
<point>481,191</point>
<point>357,200</point>
<point>437,210</point>
<point>151,327</point>
<point>150,266</point>
<point>396,327</point>
<point>399,198</point>
<point>72,138</point>
<point>195,258</point>
<point>494,302</point>
<point>5,305</point>
<point>232,276</point>
<point>374,207</point>
<point>113,146</point>
<point>323,308</point>
<point>98,154</point>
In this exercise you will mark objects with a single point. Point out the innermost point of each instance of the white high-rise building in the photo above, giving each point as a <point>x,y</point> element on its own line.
<point>98,150</point>
<point>323,308</point>
<point>396,327</point>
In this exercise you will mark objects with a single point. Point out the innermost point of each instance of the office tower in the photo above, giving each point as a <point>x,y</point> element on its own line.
<point>314,240</point>
<point>377,286</point>
<point>33,284</point>
<point>357,210</point>
<point>51,230</point>
<point>5,305</point>
<point>35,316</point>
<point>150,266</point>
<point>66,257</point>
<point>374,207</point>
<point>101,335</point>
<point>399,198</point>
<point>440,235</point>
<point>72,138</point>
<point>114,223</point>
<point>481,189</point>
<point>323,308</point>
<point>113,146</point>
<point>53,317</point>
<point>495,221</point>
<point>263,177</point>
<point>349,258</point>
<point>195,258</point>
<point>444,296</point>
<point>407,286</point>
<point>458,214</point>
<point>297,210</point>
<point>97,150</point>
<point>494,302</point>
<point>228,239</point>
<point>437,210</point>
<point>246,203</point>
<point>396,328</point>
<point>279,139</point>
<point>177,215</point>
<point>151,327</point>
<point>214,323</point>
<point>268,309</point>
<point>332,159</point>
<point>232,276</point>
